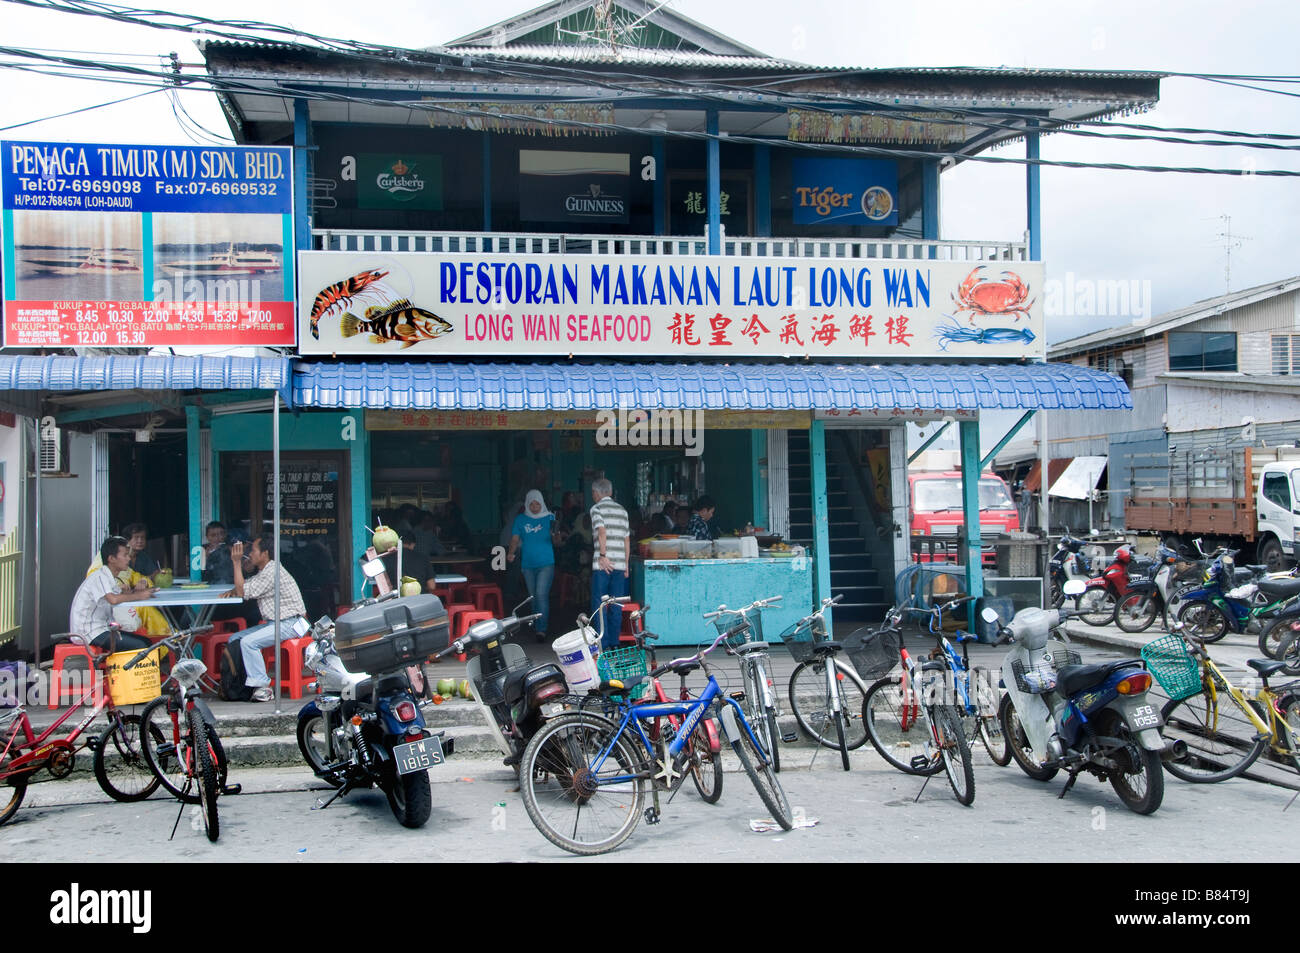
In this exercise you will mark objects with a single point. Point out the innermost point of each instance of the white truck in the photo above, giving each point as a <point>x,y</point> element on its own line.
<point>1248,499</point>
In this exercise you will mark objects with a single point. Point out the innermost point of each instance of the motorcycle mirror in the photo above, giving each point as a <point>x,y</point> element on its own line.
<point>515,610</point>
<point>1073,587</point>
<point>990,615</point>
<point>373,568</point>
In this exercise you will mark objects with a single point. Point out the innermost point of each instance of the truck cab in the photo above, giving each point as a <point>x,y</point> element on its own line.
<point>934,502</point>
<point>1277,510</point>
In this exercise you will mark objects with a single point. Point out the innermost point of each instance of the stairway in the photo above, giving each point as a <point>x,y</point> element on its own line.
<point>866,596</point>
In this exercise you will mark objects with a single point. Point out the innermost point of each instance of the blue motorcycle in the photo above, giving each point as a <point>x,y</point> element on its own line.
<point>1224,603</point>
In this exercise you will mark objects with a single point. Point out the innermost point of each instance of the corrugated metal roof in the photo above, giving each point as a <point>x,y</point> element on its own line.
<point>517,387</point>
<point>138,372</point>
<point>595,53</point>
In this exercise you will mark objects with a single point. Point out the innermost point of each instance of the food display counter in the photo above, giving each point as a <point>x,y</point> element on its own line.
<point>680,591</point>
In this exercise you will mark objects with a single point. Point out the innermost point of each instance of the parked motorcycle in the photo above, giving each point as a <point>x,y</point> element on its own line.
<point>1102,594</point>
<point>515,695</point>
<point>1059,714</point>
<point>366,728</point>
<point>1150,596</point>
<point>1226,601</point>
<point>1068,562</point>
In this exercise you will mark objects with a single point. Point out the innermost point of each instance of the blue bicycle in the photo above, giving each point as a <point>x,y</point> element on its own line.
<point>975,695</point>
<point>585,775</point>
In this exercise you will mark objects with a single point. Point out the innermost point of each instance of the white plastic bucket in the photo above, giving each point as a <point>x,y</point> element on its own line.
<point>576,660</point>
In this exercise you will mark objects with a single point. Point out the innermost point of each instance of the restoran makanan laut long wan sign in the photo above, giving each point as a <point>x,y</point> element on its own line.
<point>413,304</point>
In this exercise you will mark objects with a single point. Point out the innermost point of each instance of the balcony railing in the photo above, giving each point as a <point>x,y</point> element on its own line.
<point>526,243</point>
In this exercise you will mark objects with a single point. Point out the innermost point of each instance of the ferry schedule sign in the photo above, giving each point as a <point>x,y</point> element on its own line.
<point>109,245</point>
<point>466,305</point>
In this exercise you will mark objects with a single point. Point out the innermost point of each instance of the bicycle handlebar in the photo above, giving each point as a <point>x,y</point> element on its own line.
<point>175,642</point>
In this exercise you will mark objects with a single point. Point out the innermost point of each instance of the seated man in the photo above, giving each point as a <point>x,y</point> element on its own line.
<point>262,587</point>
<point>92,606</point>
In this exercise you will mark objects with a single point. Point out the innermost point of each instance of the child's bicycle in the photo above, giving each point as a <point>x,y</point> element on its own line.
<point>584,776</point>
<point>118,760</point>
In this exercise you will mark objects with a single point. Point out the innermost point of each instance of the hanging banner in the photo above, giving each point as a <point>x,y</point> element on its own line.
<point>398,182</point>
<point>110,245</point>
<point>590,187</point>
<point>467,305</point>
<point>845,192</point>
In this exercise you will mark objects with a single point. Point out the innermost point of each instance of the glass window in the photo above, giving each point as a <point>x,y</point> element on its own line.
<point>945,494</point>
<point>1202,351</point>
<point>1276,489</point>
<point>1286,353</point>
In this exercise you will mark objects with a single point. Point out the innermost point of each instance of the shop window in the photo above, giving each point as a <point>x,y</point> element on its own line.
<point>1286,353</point>
<point>1202,351</point>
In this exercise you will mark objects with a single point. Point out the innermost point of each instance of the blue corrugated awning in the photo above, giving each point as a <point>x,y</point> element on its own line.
<point>138,372</point>
<point>511,387</point>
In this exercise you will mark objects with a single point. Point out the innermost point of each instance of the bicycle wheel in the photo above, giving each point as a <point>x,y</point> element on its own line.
<point>205,773</point>
<point>1136,611</point>
<point>166,746</point>
<point>12,792</point>
<point>1097,607</point>
<point>1289,707</point>
<point>120,767</point>
<point>706,765</point>
<point>1021,751</point>
<point>1220,738</point>
<point>895,727</point>
<point>1288,653</point>
<point>773,732</point>
<point>764,779</point>
<point>812,709</point>
<point>572,798</point>
<point>1204,621</point>
<point>995,740</point>
<point>954,752</point>
<point>1273,633</point>
<point>762,717</point>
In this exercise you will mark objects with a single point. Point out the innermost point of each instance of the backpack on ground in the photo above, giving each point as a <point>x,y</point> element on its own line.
<point>233,676</point>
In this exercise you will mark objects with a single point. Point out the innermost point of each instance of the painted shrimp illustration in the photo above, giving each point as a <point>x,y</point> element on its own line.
<point>340,295</point>
<point>980,295</point>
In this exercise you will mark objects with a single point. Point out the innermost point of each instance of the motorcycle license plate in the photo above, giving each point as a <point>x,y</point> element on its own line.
<point>418,755</point>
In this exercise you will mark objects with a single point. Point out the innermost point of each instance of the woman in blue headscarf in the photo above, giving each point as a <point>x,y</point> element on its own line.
<point>533,532</point>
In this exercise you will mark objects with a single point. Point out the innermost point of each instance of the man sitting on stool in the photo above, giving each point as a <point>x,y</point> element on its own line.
<point>262,588</point>
<point>91,614</point>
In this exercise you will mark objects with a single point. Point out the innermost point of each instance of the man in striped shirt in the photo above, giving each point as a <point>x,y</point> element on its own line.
<point>611,534</point>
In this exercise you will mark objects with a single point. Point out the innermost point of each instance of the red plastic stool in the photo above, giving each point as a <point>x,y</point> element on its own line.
<point>485,595</point>
<point>625,630</point>
<point>62,652</point>
<point>454,612</point>
<point>466,619</point>
<point>292,660</point>
<point>213,645</point>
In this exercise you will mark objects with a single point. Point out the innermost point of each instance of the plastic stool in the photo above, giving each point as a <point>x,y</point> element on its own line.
<point>625,630</point>
<point>484,595</point>
<point>292,660</point>
<point>466,619</point>
<point>213,644</point>
<point>62,652</point>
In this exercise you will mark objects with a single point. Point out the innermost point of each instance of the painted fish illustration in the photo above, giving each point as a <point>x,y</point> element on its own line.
<point>399,321</point>
<point>340,295</point>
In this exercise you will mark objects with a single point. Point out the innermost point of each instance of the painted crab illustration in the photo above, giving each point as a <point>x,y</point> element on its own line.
<point>982,296</point>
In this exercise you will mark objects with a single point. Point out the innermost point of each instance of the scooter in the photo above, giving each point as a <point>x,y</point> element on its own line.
<point>1058,714</point>
<point>366,728</point>
<point>1068,562</point>
<point>1229,601</point>
<point>1102,594</point>
<point>1150,597</point>
<point>514,695</point>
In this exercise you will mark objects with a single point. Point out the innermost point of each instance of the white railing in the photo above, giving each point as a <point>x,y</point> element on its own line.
<point>530,243</point>
<point>10,560</point>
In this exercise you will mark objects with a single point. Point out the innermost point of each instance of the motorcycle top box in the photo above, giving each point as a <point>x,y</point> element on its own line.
<point>391,634</point>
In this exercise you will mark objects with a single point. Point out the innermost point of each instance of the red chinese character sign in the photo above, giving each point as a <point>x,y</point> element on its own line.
<point>137,246</point>
<point>463,305</point>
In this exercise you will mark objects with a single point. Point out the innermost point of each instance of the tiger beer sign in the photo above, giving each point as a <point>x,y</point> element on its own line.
<point>372,303</point>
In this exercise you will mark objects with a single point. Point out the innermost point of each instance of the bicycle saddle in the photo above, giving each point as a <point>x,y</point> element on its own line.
<point>1266,667</point>
<point>827,648</point>
<point>750,647</point>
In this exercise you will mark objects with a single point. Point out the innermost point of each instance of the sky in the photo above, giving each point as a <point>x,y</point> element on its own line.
<point>1162,231</point>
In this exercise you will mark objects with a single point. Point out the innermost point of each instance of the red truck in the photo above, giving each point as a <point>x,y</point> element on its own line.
<point>934,501</point>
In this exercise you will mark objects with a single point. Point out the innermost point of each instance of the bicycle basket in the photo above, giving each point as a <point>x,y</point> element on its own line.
<point>801,639</point>
<point>493,691</point>
<point>1175,668</point>
<point>874,654</point>
<point>736,634</point>
<point>624,665</point>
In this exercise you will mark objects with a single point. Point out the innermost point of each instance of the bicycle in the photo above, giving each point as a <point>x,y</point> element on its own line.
<point>118,762</point>
<point>969,702</point>
<point>1223,739</point>
<point>822,681</point>
<point>181,746</point>
<point>705,754</point>
<point>584,775</point>
<point>744,640</point>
